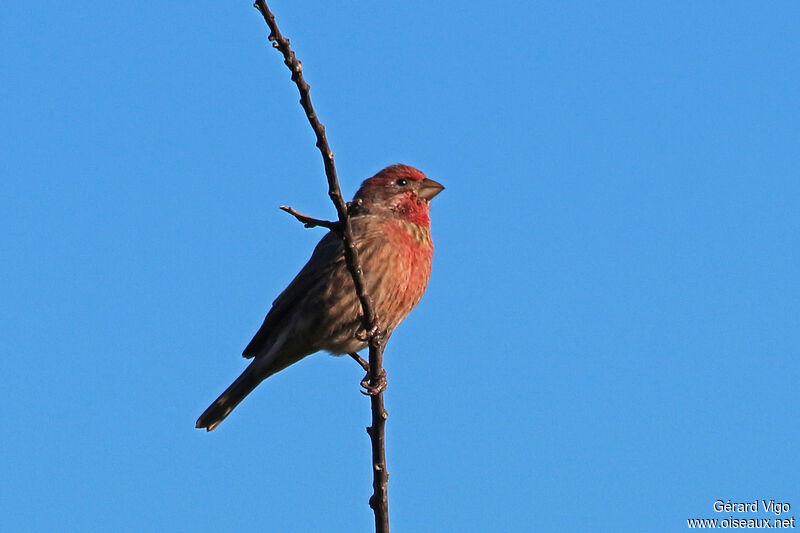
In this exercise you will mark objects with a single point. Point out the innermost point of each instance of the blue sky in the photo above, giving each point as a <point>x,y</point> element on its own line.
<point>610,337</point>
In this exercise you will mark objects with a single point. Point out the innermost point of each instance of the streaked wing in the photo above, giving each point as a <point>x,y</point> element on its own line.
<point>327,253</point>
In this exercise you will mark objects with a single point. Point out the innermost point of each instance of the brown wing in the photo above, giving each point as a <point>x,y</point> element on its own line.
<point>327,253</point>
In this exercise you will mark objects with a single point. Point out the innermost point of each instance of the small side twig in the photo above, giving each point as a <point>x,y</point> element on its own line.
<point>310,222</point>
<point>334,191</point>
<point>379,501</point>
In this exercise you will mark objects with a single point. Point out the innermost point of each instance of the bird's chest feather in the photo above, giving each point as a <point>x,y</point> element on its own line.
<point>400,274</point>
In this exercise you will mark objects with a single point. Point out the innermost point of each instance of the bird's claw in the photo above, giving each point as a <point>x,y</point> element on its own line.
<point>378,387</point>
<point>380,382</point>
<point>366,335</point>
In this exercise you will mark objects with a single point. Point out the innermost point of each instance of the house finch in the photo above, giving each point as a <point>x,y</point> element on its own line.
<point>320,310</point>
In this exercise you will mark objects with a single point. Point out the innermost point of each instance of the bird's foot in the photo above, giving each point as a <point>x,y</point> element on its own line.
<point>374,331</point>
<point>380,383</point>
<point>373,389</point>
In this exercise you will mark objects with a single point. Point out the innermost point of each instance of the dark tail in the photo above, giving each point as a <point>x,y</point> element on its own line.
<point>222,406</point>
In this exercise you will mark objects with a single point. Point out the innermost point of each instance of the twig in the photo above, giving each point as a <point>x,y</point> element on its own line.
<point>310,222</point>
<point>379,501</point>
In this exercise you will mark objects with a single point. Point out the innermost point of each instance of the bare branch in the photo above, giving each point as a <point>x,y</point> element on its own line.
<point>310,222</point>
<point>376,337</point>
<point>351,252</point>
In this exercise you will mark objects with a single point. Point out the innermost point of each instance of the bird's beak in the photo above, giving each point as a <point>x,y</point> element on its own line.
<point>428,189</point>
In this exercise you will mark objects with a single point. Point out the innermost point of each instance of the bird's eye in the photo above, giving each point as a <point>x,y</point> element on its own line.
<point>402,182</point>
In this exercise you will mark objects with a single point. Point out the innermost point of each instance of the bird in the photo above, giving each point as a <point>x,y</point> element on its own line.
<point>320,310</point>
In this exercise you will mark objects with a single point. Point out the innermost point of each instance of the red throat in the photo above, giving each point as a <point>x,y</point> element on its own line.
<point>413,210</point>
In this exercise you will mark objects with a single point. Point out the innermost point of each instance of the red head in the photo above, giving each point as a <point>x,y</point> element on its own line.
<point>399,191</point>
